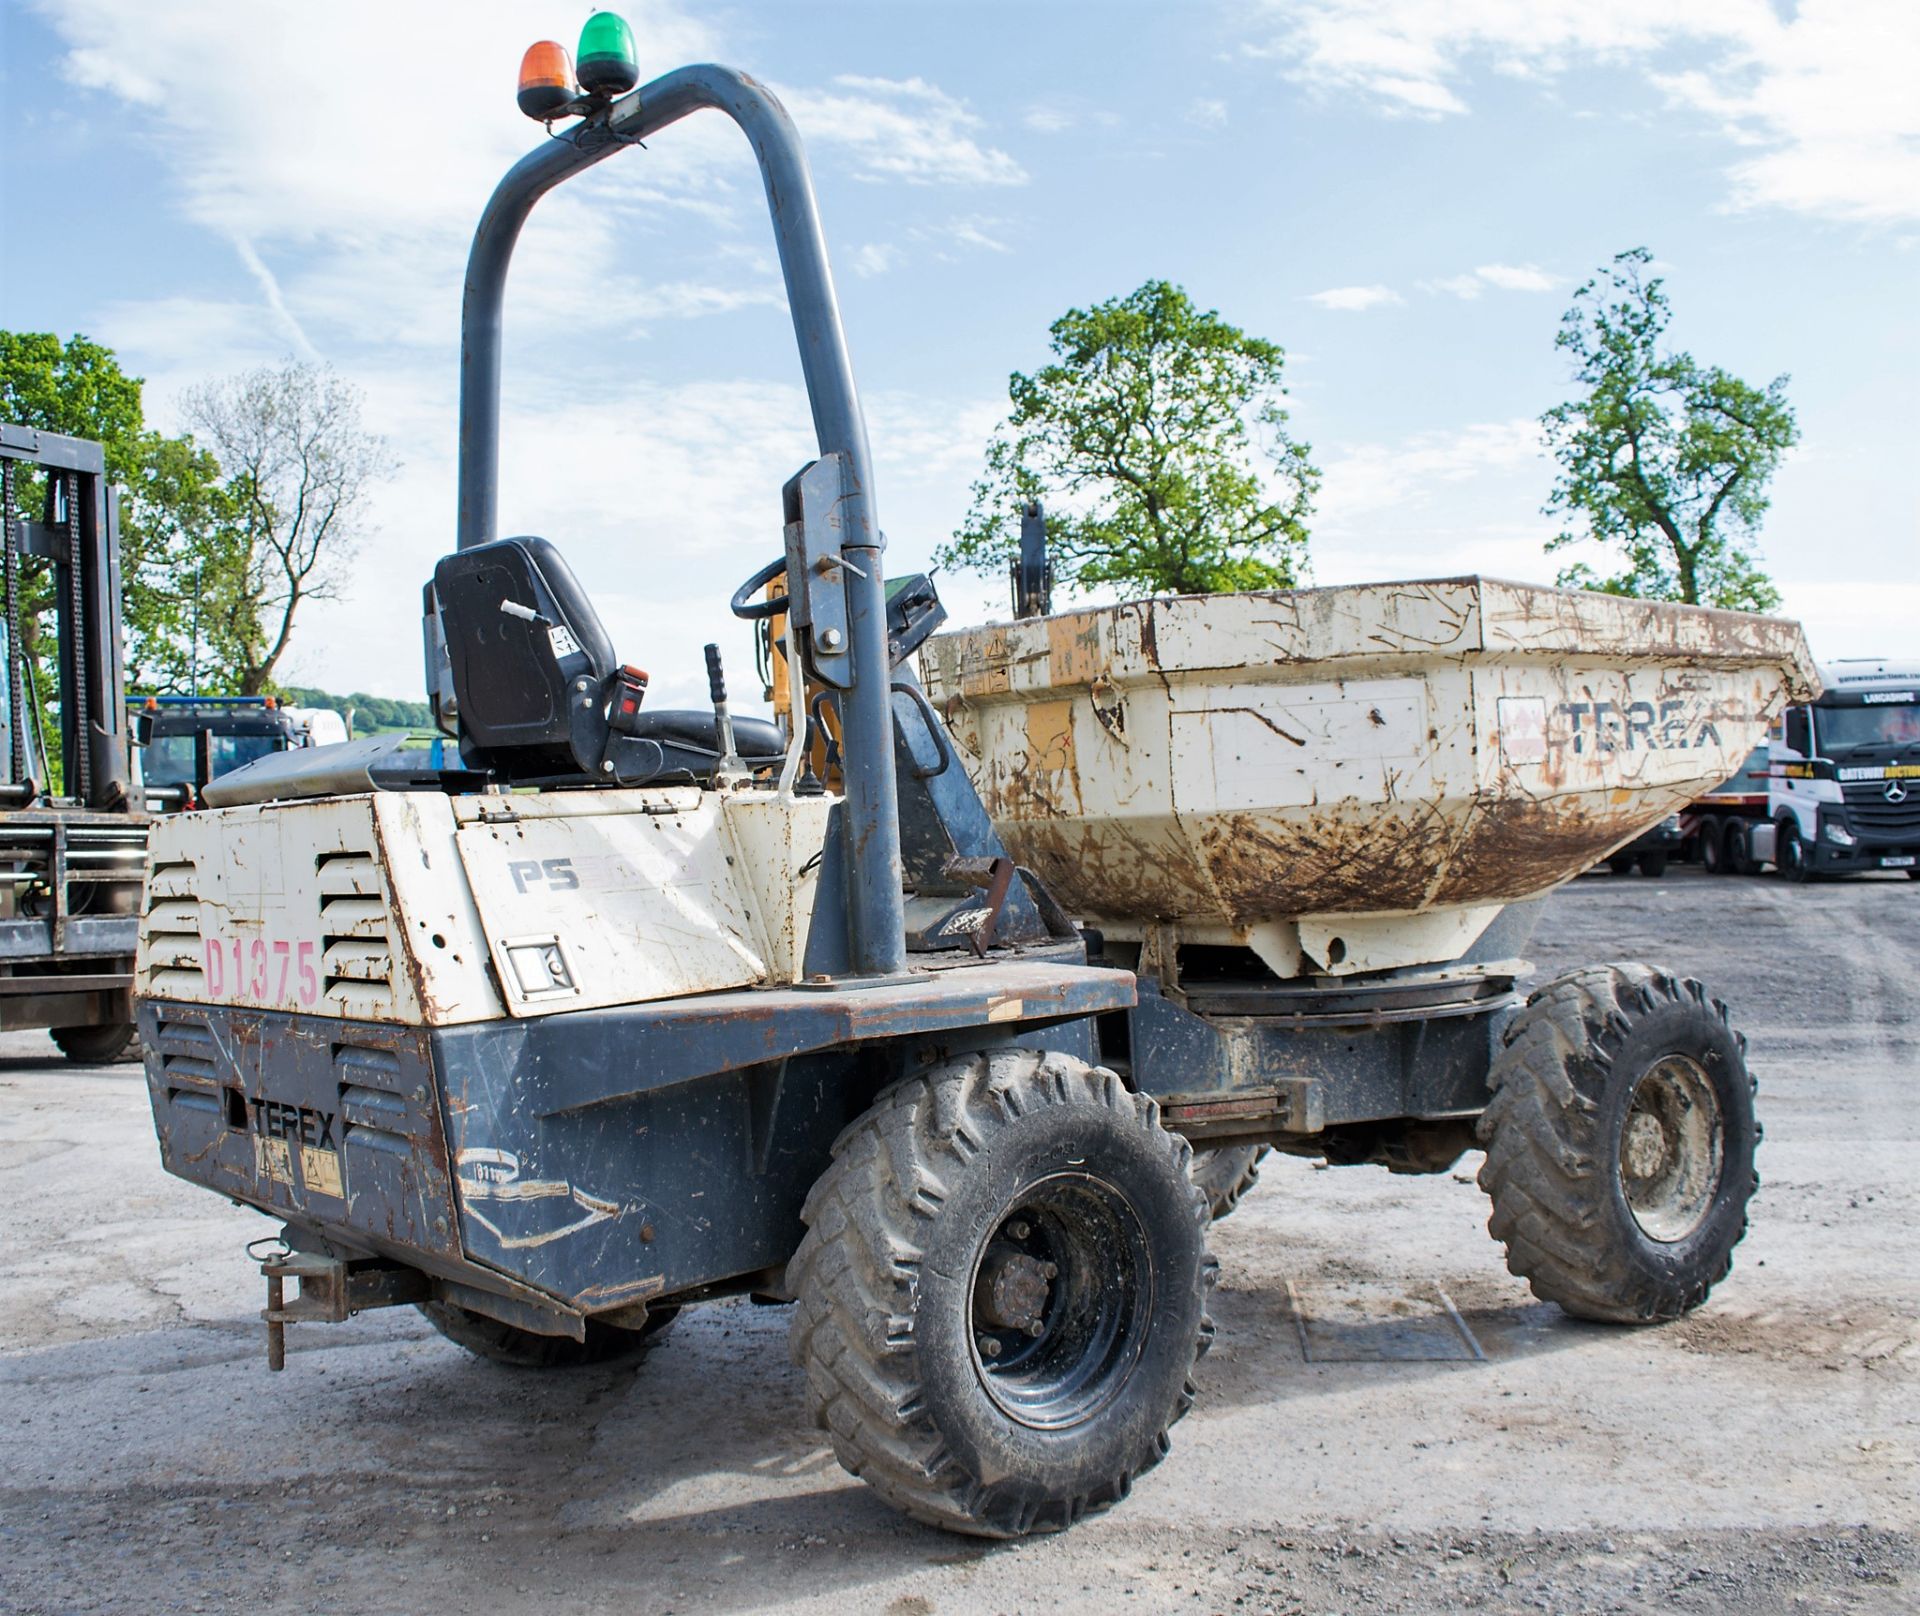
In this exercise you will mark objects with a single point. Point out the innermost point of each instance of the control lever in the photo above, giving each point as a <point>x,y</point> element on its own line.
<point>729,771</point>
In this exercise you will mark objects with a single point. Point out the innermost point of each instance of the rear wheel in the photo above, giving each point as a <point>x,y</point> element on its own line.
<point>526,1349</point>
<point>96,1046</point>
<point>1653,864</point>
<point>1224,1173</point>
<point>1621,863</point>
<point>1739,842</point>
<point>1713,847</point>
<point>1002,1292</point>
<point>1620,1144</point>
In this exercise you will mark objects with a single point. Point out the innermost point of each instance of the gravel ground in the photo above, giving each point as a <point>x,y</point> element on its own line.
<point>1762,1455</point>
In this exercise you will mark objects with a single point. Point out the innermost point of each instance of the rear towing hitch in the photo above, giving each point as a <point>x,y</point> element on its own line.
<point>332,1290</point>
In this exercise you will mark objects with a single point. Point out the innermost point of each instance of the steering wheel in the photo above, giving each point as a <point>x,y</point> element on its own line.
<point>756,610</point>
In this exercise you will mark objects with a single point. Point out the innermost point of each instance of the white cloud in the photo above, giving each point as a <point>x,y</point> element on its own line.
<point>974,230</point>
<point>1822,96</point>
<point>1064,112</point>
<point>1518,277</point>
<point>1354,299</point>
<point>901,129</point>
<point>1367,479</point>
<point>1208,112</point>
<point>874,258</point>
<point>1434,504</point>
<point>1503,277</point>
<point>1049,120</point>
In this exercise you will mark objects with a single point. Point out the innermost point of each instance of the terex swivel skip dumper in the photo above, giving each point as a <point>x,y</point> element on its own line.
<point>625,1011</point>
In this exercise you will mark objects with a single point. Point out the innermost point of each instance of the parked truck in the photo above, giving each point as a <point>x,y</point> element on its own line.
<point>1834,791</point>
<point>610,1011</point>
<point>193,740</point>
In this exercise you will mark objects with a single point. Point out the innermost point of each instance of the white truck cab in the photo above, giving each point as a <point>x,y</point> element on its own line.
<point>1844,785</point>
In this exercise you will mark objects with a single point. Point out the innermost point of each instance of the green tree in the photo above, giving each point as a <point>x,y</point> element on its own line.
<point>1663,460</point>
<point>371,714</point>
<point>176,520</point>
<point>1158,441</point>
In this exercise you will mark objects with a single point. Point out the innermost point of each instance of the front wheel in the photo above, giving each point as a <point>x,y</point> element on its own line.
<point>1002,1292</point>
<point>526,1349</point>
<point>1791,855</point>
<point>1620,1143</point>
<point>1653,865</point>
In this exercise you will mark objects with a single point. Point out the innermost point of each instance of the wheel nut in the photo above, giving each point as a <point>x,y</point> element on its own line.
<point>989,1348</point>
<point>1019,1231</point>
<point>1049,1269</point>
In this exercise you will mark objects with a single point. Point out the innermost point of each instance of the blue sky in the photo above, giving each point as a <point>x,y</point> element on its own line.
<point>1403,193</point>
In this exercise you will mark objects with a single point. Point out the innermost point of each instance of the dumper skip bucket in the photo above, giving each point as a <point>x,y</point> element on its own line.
<point>1351,778</point>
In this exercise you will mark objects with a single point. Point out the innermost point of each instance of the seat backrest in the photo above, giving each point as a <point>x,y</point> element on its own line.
<point>519,630</point>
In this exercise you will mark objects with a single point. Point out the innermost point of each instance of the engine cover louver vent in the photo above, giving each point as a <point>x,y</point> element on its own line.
<point>357,954</point>
<point>175,952</point>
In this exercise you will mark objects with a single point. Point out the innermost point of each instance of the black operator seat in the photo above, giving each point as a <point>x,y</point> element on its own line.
<point>520,632</point>
<point>521,636</point>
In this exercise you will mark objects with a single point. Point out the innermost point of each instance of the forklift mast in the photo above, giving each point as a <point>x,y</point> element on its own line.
<point>78,532</point>
<point>72,856</point>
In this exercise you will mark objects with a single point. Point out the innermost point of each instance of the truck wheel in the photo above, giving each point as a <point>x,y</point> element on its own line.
<point>1790,853</point>
<point>1620,863</point>
<point>96,1046</point>
<point>1653,865</point>
<point>1002,1292</point>
<point>1713,847</point>
<point>527,1349</point>
<point>1225,1173</point>
<point>1739,845</point>
<point>1620,1143</point>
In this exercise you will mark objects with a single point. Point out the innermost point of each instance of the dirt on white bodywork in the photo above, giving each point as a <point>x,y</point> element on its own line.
<point>1761,1455</point>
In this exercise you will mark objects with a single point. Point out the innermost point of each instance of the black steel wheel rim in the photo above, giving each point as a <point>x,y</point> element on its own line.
<point>1061,1299</point>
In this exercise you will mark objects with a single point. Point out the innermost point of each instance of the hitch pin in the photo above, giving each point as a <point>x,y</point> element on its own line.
<point>276,1323</point>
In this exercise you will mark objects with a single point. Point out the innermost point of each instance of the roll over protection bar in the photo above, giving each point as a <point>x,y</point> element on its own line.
<point>871,817</point>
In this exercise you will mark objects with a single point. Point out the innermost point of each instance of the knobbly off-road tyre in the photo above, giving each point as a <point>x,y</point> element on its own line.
<point>1224,1173</point>
<point>986,1163</point>
<point>1620,1143</point>
<point>96,1046</point>
<point>525,1349</point>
